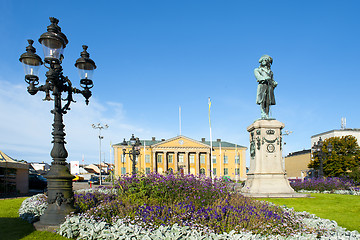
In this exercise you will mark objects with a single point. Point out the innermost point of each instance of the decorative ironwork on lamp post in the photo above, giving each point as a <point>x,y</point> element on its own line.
<point>318,150</point>
<point>134,152</point>
<point>60,192</point>
<point>100,127</point>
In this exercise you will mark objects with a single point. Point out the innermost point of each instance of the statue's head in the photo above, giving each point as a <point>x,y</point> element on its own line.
<point>266,58</point>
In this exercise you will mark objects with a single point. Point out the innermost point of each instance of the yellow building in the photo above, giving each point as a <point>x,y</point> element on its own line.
<point>296,164</point>
<point>186,155</point>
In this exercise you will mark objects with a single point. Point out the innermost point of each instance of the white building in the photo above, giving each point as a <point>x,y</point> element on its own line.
<point>41,166</point>
<point>337,133</point>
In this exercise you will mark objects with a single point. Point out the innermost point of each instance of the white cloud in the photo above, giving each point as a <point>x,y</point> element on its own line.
<point>26,125</point>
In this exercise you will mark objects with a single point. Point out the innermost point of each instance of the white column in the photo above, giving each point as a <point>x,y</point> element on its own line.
<point>208,166</point>
<point>116,160</point>
<point>186,159</point>
<point>176,164</point>
<point>197,163</point>
<point>154,162</point>
<point>165,161</point>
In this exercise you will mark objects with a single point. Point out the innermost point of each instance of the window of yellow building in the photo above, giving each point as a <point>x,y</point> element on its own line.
<point>202,171</point>
<point>226,159</point>
<point>159,158</point>
<point>214,171</point>
<point>147,170</point>
<point>123,159</point>
<point>237,171</point>
<point>170,158</point>
<point>214,159</point>
<point>123,170</point>
<point>147,158</point>
<point>192,158</point>
<point>202,158</point>
<point>237,159</point>
<point>181,158</point>
<point>226,171</point>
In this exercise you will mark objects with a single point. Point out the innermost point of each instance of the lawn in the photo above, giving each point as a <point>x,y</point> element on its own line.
<point>13,228</point>
<point>344,209</point>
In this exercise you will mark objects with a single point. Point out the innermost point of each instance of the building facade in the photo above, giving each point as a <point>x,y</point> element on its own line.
<point>185,155</point>
<point>14,175</point>
<point>296,164</point>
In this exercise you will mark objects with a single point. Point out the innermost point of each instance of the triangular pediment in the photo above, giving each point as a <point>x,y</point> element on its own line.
<point>180,142</point>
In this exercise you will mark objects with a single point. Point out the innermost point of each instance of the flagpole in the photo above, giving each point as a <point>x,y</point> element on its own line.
<point>180,119</point>
<point>211,143</point>
<point>110,162</point>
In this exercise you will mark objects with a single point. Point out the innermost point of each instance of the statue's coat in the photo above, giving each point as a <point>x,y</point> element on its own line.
<point>265,90</point>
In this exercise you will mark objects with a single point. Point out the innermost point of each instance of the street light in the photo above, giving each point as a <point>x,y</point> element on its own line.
<point>134,152</point>
<point>98,126</point>
<point>318,149</point>
<point>285,133</point>
<point>60,192</point>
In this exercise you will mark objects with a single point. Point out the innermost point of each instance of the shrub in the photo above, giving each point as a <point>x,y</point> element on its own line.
<point>323,184</point>
<point>87,200</point>
<point>160,189</point>
<point>354,175</point>
<point>33,207</point>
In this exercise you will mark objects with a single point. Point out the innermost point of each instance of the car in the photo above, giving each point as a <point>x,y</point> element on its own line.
<point>37,181</point>
<point>78,178</point>
<point>94,180</point>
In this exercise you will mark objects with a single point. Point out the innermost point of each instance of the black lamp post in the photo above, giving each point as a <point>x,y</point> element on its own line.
<point>60,192</point>
<point>317,148</point>
<point>134,152</point>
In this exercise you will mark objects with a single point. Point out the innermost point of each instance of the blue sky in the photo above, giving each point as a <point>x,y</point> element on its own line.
<point>154,56</point>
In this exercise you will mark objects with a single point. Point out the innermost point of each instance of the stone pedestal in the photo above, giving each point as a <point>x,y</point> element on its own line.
<point>266,176</point>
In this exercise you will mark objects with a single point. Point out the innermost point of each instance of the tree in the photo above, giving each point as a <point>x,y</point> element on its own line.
<point>344,157</point>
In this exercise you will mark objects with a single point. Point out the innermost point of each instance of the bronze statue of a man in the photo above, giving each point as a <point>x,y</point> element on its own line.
<point>265,91</point>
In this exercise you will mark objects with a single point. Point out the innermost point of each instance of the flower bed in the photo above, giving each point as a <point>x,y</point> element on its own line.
<point>326,185</point>
<point>182,206</point>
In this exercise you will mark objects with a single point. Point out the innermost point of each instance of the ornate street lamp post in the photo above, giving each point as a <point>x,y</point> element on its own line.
<point>134,152</point>
<point>100,127</point>
<point>318,150</point>
<point>60,192</point>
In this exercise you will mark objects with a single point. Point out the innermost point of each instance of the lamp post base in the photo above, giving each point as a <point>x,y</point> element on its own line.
<point>60,198</point>
<point>53,217</point>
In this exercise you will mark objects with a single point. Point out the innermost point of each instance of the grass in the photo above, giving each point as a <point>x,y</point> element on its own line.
<point>13,228</point>
<point>344,209</point>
